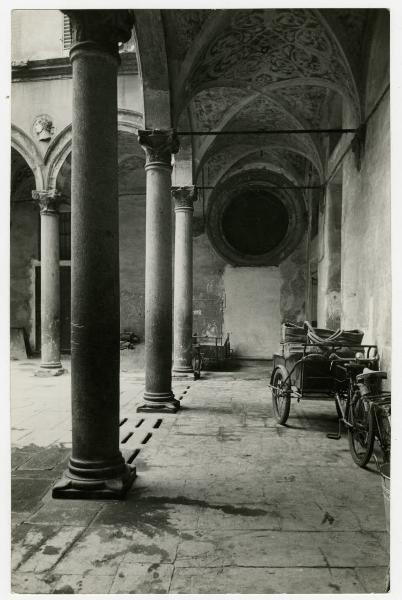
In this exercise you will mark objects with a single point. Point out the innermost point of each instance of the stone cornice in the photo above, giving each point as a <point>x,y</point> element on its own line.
<point>60,68</point>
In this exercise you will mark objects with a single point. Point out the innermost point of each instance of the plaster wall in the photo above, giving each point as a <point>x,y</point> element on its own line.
<point>36,34</point>
<point>23,252</point>
<point>129,92</point>
<point>293,284</point>
<point>366,213</point>
<point>252,311</point>
<point>33,98</point>
<point>366,239</point>
<point>208,290</point>
<point>54,97</point>
<point>250,303</point>
<point>132,263</point>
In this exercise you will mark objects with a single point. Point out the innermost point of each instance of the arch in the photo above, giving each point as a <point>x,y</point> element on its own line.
<point>56,154</point>
<point>153,68</point>
<point>266,166</point>
<point>338,77</point>
<point>249,151</point>
<point>128,121</point>
<point>21,142</point>
<point>236,110</point>
<point>22,178</point>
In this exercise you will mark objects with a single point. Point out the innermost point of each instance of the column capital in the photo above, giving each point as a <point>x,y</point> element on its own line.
<point>159,145</point>
<point>104,28</point>
<point>48,200</point>
<point>184,197</point>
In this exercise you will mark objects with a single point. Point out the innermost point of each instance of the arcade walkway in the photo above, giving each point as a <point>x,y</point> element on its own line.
<point>225,501</point>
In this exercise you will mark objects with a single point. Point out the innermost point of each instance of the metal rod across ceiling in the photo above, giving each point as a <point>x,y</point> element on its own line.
<point>266,132</point>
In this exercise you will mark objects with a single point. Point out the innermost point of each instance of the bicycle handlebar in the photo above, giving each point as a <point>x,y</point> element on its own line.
<point>334,358</point>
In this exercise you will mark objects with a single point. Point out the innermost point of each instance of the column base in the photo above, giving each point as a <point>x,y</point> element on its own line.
<point>181,370</point>
<point>182,376</point>
<point>72,487</point>
<point>159,403</point>
<point>50,370</point>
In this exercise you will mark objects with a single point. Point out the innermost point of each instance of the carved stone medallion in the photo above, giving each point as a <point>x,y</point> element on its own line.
<point>43,128</point>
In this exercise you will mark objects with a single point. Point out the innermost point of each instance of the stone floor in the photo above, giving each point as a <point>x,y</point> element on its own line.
<point>225,501</point>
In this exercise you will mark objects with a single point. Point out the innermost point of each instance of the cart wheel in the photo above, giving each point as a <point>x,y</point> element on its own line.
<point>281,396</point>
<point>361,432</point>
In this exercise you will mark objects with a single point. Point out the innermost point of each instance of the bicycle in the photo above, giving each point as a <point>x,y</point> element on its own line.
<point>361,406</point>
<point>197,361</point>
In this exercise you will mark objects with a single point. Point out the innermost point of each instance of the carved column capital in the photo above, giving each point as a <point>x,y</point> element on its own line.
<point>48,200</point>
<point>184,197</point>
<point>104,28</point>
<point>159,145</point>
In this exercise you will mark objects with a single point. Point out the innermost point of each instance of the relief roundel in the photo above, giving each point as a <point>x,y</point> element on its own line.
<point>249,224</point>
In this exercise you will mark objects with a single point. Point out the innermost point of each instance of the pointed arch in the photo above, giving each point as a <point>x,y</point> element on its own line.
<point>21,142</point>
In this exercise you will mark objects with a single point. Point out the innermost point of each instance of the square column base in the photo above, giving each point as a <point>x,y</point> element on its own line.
<point>159,407</point>
<point>182,375</point>
<point>49,372</point>
<point>95,489</point>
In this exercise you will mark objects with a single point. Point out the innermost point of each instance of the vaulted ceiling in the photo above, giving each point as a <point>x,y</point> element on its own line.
<point>240,71</point>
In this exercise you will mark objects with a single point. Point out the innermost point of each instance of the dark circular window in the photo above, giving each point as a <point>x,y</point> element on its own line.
<point>254,222</point>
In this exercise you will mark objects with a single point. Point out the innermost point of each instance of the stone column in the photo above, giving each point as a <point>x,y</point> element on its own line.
<point>329,267</point>
<point>96,468</point>
<point>50,282</point>
<point>159,147</point>
<point>183,279</point>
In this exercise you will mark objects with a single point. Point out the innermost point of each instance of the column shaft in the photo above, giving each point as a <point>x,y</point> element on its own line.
<point>50,282</point>
<point>183,279</point>
<point>97,468</point>
<point>50,291</point>
<point>158,396</point>
<point>329,274</point>
<point>95,308</point>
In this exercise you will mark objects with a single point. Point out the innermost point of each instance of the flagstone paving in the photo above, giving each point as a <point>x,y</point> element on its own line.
<point>225,500</point>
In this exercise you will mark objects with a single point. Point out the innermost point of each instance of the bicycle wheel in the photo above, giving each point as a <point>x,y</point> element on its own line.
<point>281,395</point>
<point>361,431</point>
<point>383,430</point>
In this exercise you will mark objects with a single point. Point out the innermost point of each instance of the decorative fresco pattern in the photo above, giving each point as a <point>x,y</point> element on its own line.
<point>228,157</point>
<point>295,164</point>
<point>292,60</point>
<point>183,26</point>
<point>304,101</point>
<point>210,106</point>
<point>228,148</point>
<point>263,113</point>
<point>263,47</point>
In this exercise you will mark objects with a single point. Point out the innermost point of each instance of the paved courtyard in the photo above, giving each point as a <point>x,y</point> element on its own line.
<point>225,500</point>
